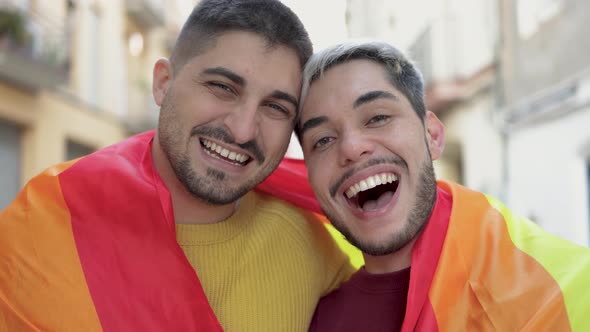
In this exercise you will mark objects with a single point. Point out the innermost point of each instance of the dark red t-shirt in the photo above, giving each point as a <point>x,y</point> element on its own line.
<point>366,302</point>
<point>372,302</point>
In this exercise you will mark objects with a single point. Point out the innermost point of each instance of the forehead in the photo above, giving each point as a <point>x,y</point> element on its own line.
<point>242,43</point>
<point>249,55</point>
<point>340,86</point>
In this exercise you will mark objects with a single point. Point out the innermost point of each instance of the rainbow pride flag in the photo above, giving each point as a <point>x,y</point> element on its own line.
<point>90,245</point>
<point>489,270</point>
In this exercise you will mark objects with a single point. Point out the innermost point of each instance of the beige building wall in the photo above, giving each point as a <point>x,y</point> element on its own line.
<point>94,107</point>
<point>48,121</point>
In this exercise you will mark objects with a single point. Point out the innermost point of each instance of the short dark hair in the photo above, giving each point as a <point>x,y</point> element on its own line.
<point>271,19</point>
<point>401,72</point>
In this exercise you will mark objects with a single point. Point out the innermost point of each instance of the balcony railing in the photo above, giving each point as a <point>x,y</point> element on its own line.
<point>34,50</point>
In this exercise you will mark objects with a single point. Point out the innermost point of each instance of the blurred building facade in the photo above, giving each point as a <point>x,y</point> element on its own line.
<point>75,76</point>
<point>545,108</point>
<point>510,79</point>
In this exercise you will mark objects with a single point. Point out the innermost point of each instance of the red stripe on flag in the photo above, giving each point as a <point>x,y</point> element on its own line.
<point>137,274</point>
<point>425,256</point>
<point>427,321</point>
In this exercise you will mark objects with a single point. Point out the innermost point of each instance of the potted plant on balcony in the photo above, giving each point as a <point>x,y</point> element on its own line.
<point>13,30</point>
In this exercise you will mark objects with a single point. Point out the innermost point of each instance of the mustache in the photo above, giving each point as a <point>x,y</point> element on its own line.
<point>372,162</point>
<point>217,133</point>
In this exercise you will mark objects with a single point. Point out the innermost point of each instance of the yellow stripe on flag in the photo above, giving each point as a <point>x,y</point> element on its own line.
<point>355,255</point>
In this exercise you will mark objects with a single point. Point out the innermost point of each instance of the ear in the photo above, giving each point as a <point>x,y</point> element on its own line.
<point>162,79</point>
<point>435,135</point>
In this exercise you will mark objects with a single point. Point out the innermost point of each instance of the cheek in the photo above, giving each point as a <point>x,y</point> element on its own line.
<point>318,179</point>
<point>403,143</point>
<point>196,107</point>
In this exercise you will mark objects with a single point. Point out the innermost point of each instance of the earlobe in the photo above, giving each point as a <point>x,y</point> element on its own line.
<point>162,78</point>
<point>435,132</point>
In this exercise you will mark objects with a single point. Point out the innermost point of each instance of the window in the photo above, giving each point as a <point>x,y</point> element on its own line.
<point>10,162</point>
<point>76,150</point>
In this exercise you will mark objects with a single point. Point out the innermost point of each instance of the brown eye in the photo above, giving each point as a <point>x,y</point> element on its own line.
<point>322,142</point>
<point>279,108</point>
<point>277,111</point>
<point>221,86</point>
<point>378,119</point>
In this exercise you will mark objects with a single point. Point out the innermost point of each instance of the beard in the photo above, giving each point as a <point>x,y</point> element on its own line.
<point>413,225</point>
<point>211,187</point>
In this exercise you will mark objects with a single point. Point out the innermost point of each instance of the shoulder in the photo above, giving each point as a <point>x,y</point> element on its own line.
<point>36,193</point>
<point>309,233</point>
<point>88,176</point>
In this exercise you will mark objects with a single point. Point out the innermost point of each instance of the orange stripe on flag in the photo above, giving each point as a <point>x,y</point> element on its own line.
<point>568,263</point>
<point>484,282</point>
<point>40,272</point>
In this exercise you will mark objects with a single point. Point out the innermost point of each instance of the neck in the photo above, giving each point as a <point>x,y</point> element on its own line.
<point>393,262</point>
<point>187,208</point>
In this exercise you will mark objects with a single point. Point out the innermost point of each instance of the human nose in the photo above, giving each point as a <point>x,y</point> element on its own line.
<point>243,123</point>
<point>354,147</point>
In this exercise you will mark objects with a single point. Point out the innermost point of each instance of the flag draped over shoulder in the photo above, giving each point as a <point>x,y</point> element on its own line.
<point>495,271</point>
<point>485,269</point>
<point>90,245</point>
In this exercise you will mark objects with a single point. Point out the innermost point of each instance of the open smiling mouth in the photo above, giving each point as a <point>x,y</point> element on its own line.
<point>221,153</point>
<point>372,193</point>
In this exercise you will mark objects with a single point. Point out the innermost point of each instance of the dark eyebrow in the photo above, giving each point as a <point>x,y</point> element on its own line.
<point>227,73</point>
<point>241,81</point>
<point>362,99</point>
<point>312,123</point>
<point>372,95</point>
<point>278,94</point>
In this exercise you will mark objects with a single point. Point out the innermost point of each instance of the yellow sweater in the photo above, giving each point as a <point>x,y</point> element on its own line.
<point>265,267</point>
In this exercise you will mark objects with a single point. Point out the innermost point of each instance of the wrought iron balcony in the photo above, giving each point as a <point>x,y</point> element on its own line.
<point>33,49</point>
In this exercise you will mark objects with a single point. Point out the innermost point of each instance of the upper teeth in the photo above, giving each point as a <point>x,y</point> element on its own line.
<point>225,152</point>
<point>370,182</point>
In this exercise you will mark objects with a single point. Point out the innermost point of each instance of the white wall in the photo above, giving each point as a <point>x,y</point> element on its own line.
<point>548,174</point>
<point>324,20</point>
<point>464,38</point>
